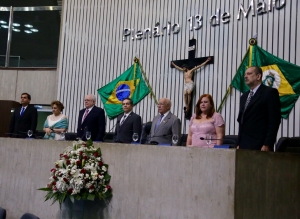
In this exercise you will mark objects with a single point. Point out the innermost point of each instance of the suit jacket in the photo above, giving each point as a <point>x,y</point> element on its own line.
<point>168,127</point>
<point>261,119</point>
<point>94,122</point>
<point>19,125</point>
<point>124,132</point>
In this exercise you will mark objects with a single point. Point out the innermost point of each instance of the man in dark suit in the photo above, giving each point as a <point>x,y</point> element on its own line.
<point>165,124</point>
<point>259,116</point>
<point>24,118</point>
<point>91,119</point>
<point>127,123</point>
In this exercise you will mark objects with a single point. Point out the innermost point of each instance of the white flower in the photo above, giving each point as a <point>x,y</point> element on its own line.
<point>101,176</point>
<point>104,168</point>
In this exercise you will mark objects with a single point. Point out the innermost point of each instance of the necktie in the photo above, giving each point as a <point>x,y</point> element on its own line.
<point>123,119</point>
<point>85,115</point>
<point>22,111</point>
<point>247,103</point>
<point>158,121</point>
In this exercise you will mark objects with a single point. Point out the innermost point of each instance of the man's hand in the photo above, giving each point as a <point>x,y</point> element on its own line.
<point>265,148</point>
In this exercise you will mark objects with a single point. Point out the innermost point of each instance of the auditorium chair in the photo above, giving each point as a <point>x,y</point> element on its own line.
<point>29,216</point>
<point>286,144</point>
<point>146,129</point>
<point>230,140</point>
<point>2,213</point>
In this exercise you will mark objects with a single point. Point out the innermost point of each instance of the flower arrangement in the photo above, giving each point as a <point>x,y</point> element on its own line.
<point>79,174</point>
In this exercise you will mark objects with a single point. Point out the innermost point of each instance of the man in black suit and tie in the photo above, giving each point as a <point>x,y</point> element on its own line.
<point>165,124</point>
<point>24,118</point>
<point>259,116</point>
<point>127,123</point>
<point>91,119</point>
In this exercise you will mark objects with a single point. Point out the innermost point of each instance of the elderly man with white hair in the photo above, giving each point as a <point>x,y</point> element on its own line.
<point>91,119</point>
<point>165,125</point>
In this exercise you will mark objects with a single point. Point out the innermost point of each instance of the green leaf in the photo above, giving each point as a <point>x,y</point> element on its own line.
<point>72,198</point>
<point>91,197</point>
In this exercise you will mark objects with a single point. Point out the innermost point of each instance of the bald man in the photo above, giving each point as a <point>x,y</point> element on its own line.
<point>165,124</point>
<point>91,119</point>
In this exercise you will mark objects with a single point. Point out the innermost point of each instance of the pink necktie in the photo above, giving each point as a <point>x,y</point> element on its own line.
<point>85,115</point>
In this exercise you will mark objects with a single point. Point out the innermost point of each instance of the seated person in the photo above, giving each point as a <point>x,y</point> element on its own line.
<point>56,123</point>
<point>205,121</point>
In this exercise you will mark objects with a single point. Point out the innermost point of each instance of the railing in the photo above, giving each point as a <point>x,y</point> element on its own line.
<point>45,32</point>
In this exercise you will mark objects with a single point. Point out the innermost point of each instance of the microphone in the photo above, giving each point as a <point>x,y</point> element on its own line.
<point>110,130</point>
<point>224,139</point>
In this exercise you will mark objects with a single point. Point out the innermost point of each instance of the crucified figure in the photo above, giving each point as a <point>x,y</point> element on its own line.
<point>188,82</point>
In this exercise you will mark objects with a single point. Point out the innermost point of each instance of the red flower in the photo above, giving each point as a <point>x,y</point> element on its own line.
<point>53,170</point>
<point>54,183</point>
<point>65,179</point>
<point>85,157</point>
<point>78,162</point>
<point>100,163</point>
<point>80,153</point>
<point>92,187</point>
<point>56,165</point>
<point>68,162</point>
<point>66,156</point>
<point>108,187</point>
<point>83,143</point>
<point>70,190</point>
<point>83,171</point>
<point>54,177</point>
<point>96,154</point>
<point>54,188</point>
<point>60,155</point>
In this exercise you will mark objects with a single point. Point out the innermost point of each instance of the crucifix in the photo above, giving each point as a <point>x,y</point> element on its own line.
<point>188,66</point>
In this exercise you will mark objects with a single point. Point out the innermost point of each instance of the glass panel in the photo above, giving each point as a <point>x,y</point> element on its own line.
<point>4,19</point>
<point>35,39</point>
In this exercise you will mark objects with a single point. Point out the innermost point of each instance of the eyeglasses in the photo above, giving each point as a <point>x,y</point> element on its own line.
<point>87,100</point>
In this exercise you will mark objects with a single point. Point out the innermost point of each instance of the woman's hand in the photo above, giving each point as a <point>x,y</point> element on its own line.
<point>48,131</point>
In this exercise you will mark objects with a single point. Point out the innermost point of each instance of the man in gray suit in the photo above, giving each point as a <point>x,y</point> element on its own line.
<point>165,124</point>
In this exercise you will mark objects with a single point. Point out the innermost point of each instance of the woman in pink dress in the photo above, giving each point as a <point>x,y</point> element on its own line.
<point>205,122</point>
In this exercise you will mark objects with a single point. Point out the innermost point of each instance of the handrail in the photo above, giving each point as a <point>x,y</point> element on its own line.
<point>12,9</point>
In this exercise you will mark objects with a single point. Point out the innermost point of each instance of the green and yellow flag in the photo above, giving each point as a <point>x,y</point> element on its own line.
<point>129,84</point>
<point>277,73</point>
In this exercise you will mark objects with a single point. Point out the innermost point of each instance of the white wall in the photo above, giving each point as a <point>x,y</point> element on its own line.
<point>92,51</point>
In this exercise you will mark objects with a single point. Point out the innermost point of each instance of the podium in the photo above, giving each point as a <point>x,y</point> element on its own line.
<point>5,111</point>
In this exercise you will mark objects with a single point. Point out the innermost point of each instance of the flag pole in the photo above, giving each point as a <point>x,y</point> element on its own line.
<point>146,79</point>
<point>230,86</point>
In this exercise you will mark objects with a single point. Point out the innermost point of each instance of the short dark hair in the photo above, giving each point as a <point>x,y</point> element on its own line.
<point>130,100</point>
<point>257,70</point>
<point>28,95</point>
<point>59,104</point>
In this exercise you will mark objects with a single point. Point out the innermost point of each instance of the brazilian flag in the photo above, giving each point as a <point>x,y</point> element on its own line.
<point>129,84</point>
<point>277,73</point>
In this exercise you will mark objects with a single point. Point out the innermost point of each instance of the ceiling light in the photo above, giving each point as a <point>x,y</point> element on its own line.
<point>28,25</point>
<point>4,26</point>
<point>16,24</point>
<point>34,30</point>
<point>27,31</point>
<point>16,30</point>
<point>3,22</point>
